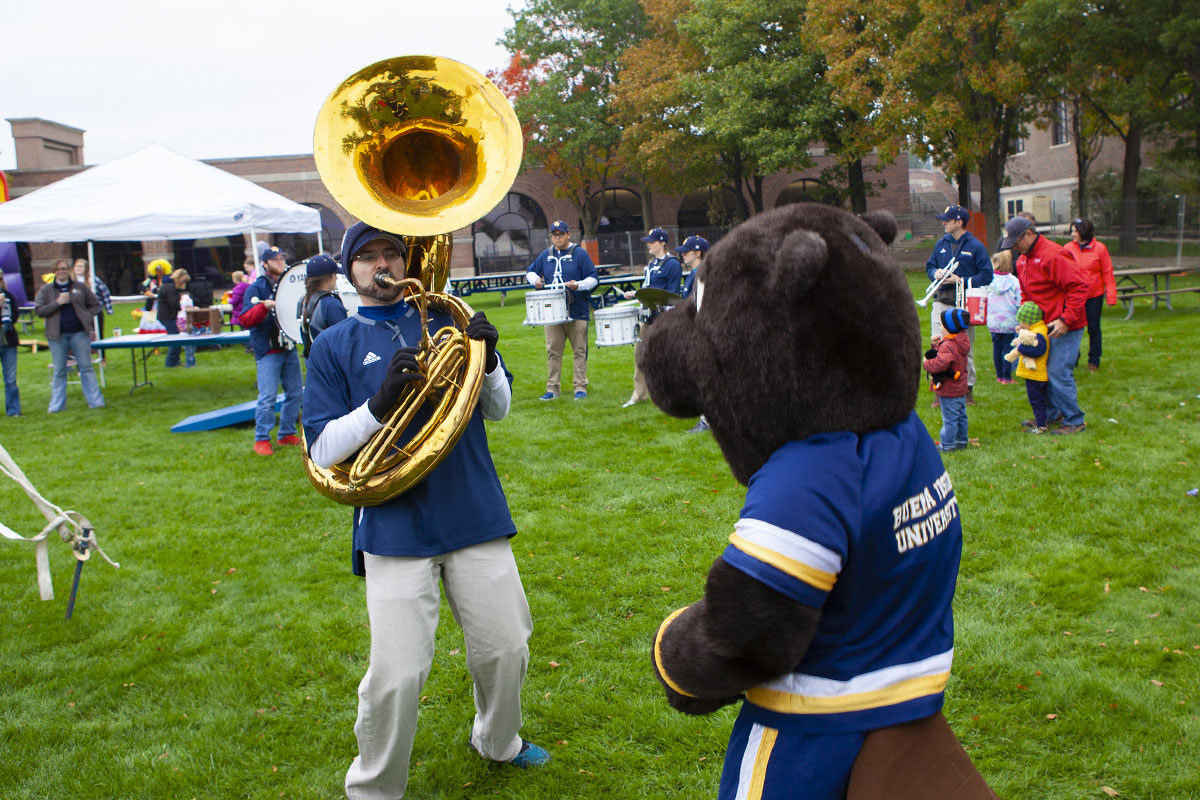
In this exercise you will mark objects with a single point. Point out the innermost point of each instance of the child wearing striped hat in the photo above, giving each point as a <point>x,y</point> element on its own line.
<point>946,363</point>
<point>1030,349</point>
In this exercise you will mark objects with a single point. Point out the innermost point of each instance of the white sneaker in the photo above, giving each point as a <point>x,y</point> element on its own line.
<point>628,403</point>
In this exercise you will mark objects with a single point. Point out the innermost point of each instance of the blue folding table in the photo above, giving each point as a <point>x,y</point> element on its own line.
<point>148,341</point>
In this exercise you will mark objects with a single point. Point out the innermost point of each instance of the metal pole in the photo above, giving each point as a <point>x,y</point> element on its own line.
<point>91,265</point>
<point>1179,242</point>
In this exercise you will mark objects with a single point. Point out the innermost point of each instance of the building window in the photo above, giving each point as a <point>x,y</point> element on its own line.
<point>1018,146</point>
<point>1060,131</point>
<point>509,237</point>
<point>1015,207</point>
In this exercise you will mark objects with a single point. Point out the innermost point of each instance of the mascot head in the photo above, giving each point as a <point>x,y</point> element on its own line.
<point>799,322</point>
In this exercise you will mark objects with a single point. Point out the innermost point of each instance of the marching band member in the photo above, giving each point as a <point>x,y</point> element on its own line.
<point>692,251</point>
<point>453,526</point>
<point>663,272</point>
<point>275,360</point>
<point>563,262</point>
<point>321,308</point>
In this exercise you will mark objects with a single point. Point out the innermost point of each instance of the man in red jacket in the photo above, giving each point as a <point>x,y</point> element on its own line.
<point>1050,277</point>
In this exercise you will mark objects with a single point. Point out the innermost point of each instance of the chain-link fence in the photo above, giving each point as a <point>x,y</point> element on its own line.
<point>626,248</point>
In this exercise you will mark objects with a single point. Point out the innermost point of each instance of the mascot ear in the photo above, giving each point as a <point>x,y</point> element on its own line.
<point>883,223</point>
<point>801,259</point>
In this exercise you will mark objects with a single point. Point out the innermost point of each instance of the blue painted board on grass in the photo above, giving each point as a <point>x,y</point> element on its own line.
<point>222,417</point>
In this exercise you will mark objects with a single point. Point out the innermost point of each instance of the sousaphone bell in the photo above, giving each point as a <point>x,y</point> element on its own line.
<point>419,146</point>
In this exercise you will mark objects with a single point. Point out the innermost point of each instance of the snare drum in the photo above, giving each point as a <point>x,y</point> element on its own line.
<point>546,307</point>
<point>617,325</point>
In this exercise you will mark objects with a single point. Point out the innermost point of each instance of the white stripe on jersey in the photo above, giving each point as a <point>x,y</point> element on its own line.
<point>812,686</point>
<point>749,759</point>
<point>789,544</point>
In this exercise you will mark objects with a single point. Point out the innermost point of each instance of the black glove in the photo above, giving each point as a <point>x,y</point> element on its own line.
<point>931,354</point>
<point>479,328</point>
<point>402,370</point>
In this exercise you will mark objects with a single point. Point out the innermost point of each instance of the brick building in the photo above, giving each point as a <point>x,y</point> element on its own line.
<point>505,240</point>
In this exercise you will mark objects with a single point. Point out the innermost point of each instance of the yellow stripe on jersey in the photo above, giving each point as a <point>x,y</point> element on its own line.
<point>797,569</point>
<point>788,703</point>
<point>662,629</point>
<point>759,776</point>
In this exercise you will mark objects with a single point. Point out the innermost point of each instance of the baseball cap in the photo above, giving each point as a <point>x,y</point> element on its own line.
<point>320,265</point>
<point>954,212</point>
<point>693,243</point>
<point>560,226</point>
<point>361,234</point>
<point>269,253</point>
<point>1013,229</point>
<point>655,235</point>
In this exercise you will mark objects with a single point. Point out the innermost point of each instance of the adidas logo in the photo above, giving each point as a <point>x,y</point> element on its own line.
<point>371,358</point>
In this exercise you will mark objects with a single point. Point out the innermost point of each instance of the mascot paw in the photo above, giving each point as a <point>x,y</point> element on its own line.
<point>698,706</point>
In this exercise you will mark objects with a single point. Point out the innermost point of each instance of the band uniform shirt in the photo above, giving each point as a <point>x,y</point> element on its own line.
<point>865,529</point>
<point>264,333</point>
<point>973,263</point>
<point>573,264</point>
<point>663,273</point>
<point>460,503</point>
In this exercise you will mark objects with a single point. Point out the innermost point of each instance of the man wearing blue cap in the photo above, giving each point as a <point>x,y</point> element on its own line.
<point>968,257</point>
<point>693,250</point>
<point>320,308</point>
<point>663,272</point>
<point>275,358</point>
<point>568,264</point>
<point>451,528</point>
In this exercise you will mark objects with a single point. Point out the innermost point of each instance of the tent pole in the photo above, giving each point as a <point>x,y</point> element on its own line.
<point>254,248</point>
<point>320,243</point>
<point>91,265</point>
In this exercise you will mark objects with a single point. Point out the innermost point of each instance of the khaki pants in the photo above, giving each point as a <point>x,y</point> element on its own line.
<point>936,330</point>
<point>556,338</point>
<point>485,594</point>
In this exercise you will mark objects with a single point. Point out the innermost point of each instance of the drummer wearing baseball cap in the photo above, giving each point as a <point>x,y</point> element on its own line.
<point>275,360</point>
<point>663,272</point>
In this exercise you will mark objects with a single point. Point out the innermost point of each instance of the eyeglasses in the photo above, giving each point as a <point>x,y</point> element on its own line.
<point>371,258</point>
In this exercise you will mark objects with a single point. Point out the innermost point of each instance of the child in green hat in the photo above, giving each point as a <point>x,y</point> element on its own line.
<point>1030,349</point>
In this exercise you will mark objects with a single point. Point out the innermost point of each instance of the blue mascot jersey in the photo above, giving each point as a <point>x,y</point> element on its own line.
<point>865,529</point>
<point>459,503</point>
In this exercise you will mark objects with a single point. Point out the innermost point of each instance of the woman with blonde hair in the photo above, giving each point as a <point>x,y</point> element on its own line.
<point>170,302</point>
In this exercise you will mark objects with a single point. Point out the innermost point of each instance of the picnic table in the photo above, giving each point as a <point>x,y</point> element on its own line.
<point>502,282</point>
<point>149,341</point>
<point>26,318</point>
<point>1131,284</point>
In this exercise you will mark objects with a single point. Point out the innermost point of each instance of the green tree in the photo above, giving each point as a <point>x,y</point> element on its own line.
<point>569,50</point>
<point>945,75</point>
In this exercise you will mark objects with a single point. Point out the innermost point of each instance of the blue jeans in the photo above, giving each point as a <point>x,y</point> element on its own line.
<point>79,344</point>
<point>173,352</point>
<point>1062,400</point>
<point>12,397</point>
<point>274,369</point>
<point>954,422</point>
<point>1001,344</point>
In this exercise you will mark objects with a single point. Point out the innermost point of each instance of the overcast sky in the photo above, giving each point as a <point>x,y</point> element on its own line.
<point>216,78</point>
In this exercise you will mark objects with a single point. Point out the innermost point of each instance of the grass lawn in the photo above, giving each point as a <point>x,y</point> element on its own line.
<point>221,660</point>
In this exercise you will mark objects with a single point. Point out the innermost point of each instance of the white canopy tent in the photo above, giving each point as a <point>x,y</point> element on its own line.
<point>152,194</point>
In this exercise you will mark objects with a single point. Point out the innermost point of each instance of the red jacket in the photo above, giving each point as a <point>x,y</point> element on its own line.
<point>951,354</point>
<point>1050,277</point>
<point>1096,266</point>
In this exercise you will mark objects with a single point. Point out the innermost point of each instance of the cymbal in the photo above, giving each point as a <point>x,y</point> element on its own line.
<point>657,297</point>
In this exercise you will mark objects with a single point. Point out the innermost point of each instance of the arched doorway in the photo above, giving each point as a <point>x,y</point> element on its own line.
<point>509,236</point>
<point>299,246</point>
<point>807,190</point>
<point>619,215</point>
<point>708,213</point>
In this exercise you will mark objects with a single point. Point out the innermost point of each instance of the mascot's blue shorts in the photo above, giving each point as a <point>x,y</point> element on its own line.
<point>768,764</point>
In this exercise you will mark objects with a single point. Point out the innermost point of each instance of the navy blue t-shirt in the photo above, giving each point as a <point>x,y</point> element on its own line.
<point>663,273</point>
<point>460,503</point>
<point>866,529</point>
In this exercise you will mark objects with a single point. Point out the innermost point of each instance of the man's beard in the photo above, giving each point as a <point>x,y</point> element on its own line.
<point>384,294</point>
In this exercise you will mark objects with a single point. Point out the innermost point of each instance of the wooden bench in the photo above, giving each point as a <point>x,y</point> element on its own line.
<point>1134,289</point>
<point>32,344</point>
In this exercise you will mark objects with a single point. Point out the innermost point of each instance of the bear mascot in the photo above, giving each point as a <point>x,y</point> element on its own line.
<point>828,614</point>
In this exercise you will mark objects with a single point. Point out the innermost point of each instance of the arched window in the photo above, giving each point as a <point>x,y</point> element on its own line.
<point>714,207</point>
<point>508,237</point>
<point>617,210</point>
<point>807,190</point>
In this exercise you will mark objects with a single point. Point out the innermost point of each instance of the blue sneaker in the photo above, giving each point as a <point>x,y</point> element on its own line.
<point>581,395</point>
<point>548,396</point>
<point>530,756</point>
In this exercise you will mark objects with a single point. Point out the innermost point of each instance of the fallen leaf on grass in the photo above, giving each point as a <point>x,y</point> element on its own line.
<point>1156,683</point>
<point>1067,633</point>
<point>1052,716</point>
<point>231,570</point>
<point>554,663</point>
<point>1111,792</point>
<point>455,651</point>
<point>1143,589</point>
<point>1152,616</point>
<point>1106,589</point>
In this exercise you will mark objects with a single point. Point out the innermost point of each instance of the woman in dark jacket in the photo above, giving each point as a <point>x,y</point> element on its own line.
<point>8,350</point>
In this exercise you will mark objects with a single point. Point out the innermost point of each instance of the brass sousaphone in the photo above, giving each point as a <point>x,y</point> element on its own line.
<point>419,146</point>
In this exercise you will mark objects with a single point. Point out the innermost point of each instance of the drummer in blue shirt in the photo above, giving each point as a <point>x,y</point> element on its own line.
<point>663,272</point>
<point>570,265</point>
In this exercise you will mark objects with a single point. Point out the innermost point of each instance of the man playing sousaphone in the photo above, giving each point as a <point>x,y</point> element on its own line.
<point>452,526</point>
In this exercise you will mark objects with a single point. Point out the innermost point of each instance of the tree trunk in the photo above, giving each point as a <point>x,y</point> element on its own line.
<point>1133,163</point>
<point>756,193</point>
<point>647,208</point>
<point>991,178</point>
<point>964,187</point>
<point>858,187</point>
